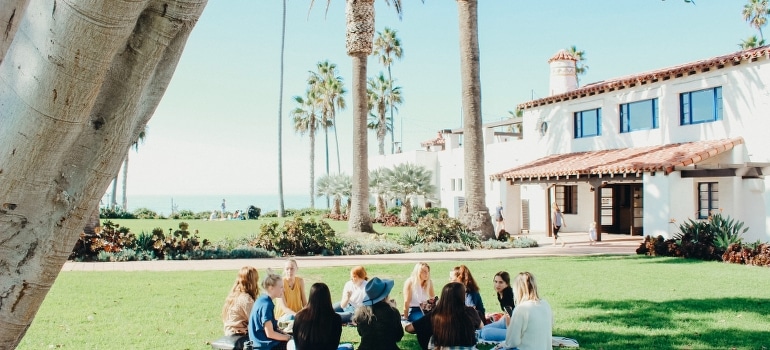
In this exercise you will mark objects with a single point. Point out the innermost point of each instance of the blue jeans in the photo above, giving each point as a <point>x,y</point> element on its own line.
<point>494,331</point>
<point>415,313</point>
<point>346,313</point>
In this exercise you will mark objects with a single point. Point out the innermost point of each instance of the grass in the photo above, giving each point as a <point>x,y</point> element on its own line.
<point>605,302</point>
<point>218,230</point>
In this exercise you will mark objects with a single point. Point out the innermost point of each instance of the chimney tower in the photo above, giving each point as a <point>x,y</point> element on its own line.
<point>563,73</point>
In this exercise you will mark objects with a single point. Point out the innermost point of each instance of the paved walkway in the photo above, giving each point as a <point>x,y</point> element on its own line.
<point>576,244</point>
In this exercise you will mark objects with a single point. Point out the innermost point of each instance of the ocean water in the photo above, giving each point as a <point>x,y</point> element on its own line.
<point>162,203</point>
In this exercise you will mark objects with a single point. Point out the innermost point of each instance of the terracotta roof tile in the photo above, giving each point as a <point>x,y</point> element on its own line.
<point>562,55</point>
<point>618,161</point>
<point>438,141</point>
<point>652,76</point>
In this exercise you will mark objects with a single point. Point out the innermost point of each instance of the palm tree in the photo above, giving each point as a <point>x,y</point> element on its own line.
<point>386,47</point>
<point>475,214</point>
<point>383,95</point>
<point>281,209</point>
<point>307,121</point>
<point>755,12</point>
<point>336,186</point>
<point>359,18</point>
<point>751,42</point>
<point>407,180</point>
<point>331,90</point>
<point>135,146</point>
<point>580,56</point>
<point>378,184</point>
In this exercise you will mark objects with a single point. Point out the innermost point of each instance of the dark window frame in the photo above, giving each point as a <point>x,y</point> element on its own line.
<point>566,197</point>
<point>686,106</point>
<point>708,199</point>
<point>577,119</point>
<point>626,116</point>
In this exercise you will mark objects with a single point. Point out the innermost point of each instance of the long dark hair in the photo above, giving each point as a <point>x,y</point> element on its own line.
<point>464,276</point>
<point>313,323</point>
<point>451,324</point>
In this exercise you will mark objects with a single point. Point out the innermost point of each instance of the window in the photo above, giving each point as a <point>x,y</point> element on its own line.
<point>459,184</point>
<point>708,198</point>
<point>588,123</point>
<point>453,185</point>
<point>640,115</point>
<point>700,106</point>
<point>566,198</point>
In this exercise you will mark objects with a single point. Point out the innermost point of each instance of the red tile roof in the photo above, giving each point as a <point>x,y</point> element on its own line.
<point>562,55</point>
<point>618,161</point>
<point>438,141</point>
<point>653,76</point>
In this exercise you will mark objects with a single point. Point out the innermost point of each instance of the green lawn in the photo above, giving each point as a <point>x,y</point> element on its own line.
<point>609,302</point>
<point>218,230</point>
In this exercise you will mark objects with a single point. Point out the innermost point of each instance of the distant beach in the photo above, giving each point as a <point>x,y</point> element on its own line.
<point>198,203</point>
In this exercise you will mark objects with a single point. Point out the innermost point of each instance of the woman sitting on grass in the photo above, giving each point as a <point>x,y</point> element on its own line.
<point>495,331</point>
<point>451,324</point>
<point>293,298</point>
<point>263,327</point>
<point>531,325</point>
<point>235,312</point>
<point>352,294</point>
<point>418,288</point>
<point>317,326</point>
<point>463,275</point>
<point>378,322</point>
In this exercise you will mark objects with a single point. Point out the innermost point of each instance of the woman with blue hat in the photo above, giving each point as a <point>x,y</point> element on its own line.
<point>378,322</point>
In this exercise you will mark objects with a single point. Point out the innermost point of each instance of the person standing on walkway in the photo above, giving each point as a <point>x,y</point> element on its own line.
<point>558,222</point>
<point>224,207</point>
<point>499,220</point>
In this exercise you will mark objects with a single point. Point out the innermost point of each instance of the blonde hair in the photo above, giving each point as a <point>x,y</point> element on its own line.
<point>271,280</point>
<point>526,288</point>
<point>415,276</point>
<point>247,282</point>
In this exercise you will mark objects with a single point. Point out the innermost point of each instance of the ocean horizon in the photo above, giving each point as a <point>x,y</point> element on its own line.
<point>162,203</point>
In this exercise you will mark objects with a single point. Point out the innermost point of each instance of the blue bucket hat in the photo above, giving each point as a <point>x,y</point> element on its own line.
<point>377,289</point>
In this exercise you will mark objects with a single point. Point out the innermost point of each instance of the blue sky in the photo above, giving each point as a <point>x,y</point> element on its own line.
<point>215,131</point>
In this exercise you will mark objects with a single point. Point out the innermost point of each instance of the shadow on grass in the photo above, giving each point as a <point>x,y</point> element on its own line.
<point>677,324</point>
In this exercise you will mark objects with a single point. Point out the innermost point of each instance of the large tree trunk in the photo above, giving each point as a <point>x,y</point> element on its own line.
<point>358,40</point>
<point>406,210</point>
<point>78,82</point>
<point>281,209</point>
<point>380,212</point>
<point>475,214</point>
<point>114,194</point>
<point>382,129</point>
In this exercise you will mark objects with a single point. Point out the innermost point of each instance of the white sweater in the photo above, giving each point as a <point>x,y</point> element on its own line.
<point>531,326</point>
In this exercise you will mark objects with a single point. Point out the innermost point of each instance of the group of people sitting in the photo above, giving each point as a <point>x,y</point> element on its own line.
<point>454,320</point>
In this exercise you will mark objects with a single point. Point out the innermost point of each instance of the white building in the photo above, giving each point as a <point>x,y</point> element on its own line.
<point>638,154</point>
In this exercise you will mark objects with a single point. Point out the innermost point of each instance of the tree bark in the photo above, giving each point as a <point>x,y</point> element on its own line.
<point>475,214</point>
<point>125,183</point>
<point>76,88</point>
<point>359,34</point>
<point>312,165</point>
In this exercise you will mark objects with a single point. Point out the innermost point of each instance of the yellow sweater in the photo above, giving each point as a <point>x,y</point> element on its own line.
<point>292,297</point>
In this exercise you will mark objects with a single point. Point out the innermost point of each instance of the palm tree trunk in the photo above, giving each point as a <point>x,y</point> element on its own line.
<point>336,210</point>
<point>392,130</point>
<point>406,210</point>
<point>326,142</point>
<point>359,16</point>
<point>114,196</point>
<point>475,214</point>
<point>380,212</point>
<point>281,210</point>
<point>382,130</point>
<point>125,182</point>
<point>312,166</point>
<point>337,146</point>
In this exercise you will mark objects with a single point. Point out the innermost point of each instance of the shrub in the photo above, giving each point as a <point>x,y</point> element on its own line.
<point>410,238</point>
<point>357,247</point>
<point>440,228</point>
<point>435,212</point>
<point>298,237</point>
<point>144,213</point>
<point>117,213</point>
<point>253,212</point>
<point>439,247</point>
<point>470,239</point>
<point>109,238</point>
<point>495,244</point>
<point>524,242</point>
